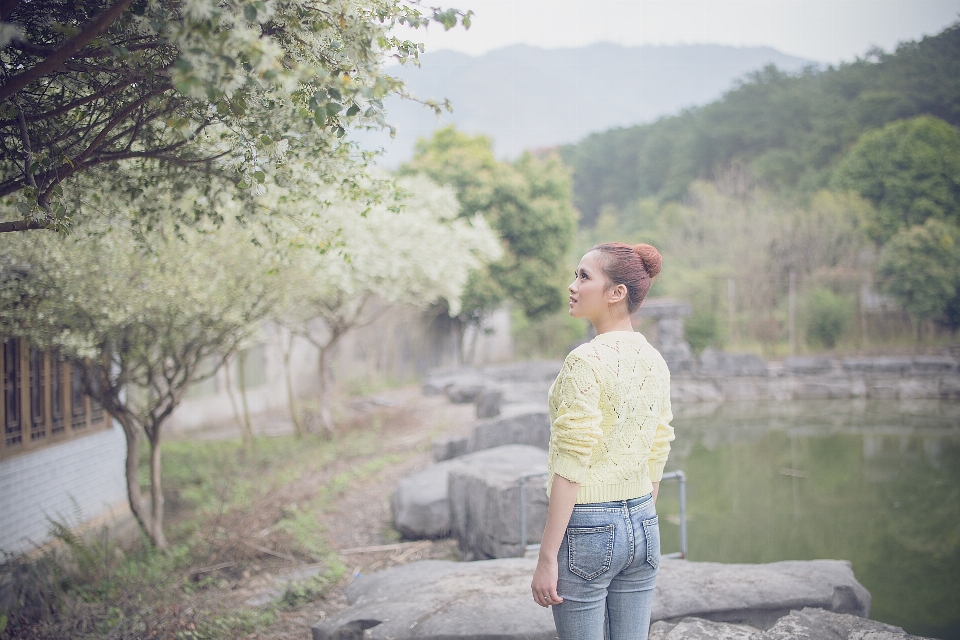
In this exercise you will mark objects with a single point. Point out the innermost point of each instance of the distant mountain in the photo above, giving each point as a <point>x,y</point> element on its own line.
<point>528,98</point>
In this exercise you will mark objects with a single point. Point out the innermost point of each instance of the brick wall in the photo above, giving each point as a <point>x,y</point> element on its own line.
<point>85,472</point>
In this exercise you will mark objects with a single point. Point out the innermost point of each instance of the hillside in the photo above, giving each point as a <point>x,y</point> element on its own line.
<point>526,98</point>
<point>788,128</point>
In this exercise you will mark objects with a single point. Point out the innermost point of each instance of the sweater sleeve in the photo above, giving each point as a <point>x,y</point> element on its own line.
<point>662,438</point>
<point>576,427</point>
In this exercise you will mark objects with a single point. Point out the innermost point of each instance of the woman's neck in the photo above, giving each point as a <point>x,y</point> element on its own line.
<point>611,323</point>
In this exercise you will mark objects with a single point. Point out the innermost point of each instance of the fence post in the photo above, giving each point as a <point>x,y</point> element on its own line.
<point>793,312</point>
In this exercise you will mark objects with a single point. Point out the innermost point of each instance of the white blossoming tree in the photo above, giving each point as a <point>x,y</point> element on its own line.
<point>139,92</point>
<point>143,324</point>
<point>416,252</point>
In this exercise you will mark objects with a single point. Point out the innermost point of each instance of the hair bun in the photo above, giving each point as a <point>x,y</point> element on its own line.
<point>652,261</point>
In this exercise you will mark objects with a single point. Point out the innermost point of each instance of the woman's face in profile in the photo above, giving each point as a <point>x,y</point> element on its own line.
<point>587,299</point>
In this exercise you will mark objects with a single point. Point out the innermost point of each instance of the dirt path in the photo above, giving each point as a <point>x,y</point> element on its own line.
<point>359,518</point>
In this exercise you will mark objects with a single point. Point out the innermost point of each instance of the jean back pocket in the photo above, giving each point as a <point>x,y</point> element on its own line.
<point>651,531</point>
<point>590,550</point>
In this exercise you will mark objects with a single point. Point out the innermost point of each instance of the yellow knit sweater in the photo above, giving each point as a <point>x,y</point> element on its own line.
<point>610,418</point>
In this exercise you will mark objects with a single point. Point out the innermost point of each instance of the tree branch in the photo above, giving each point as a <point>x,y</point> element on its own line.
<point>21,225</point>
<point>65,52</point>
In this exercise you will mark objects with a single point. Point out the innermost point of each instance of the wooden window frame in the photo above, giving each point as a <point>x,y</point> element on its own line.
<point>54,431</point>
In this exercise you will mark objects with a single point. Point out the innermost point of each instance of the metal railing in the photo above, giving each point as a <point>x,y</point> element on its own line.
<point>672,475</point>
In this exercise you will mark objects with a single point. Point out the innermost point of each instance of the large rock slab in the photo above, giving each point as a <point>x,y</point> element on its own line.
<point>756,594</point>
<point>808,623</point>
<point>491,599</point>
<point>450,600</point>
<point>420,504</point>
<point>485,508</point>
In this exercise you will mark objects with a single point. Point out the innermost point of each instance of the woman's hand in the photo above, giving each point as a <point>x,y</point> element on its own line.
<point>563,495</point>
<point>544,585</point>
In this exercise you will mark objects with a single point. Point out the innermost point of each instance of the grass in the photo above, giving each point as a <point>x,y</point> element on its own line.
<point>222,501</point>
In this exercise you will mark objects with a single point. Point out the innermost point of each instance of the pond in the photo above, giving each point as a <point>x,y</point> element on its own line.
<point>873,482</point>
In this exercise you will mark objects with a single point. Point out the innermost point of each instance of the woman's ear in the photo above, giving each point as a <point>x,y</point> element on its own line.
<point>617,293</point>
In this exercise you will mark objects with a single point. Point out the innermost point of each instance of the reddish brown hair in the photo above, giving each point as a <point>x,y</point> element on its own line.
<point>634,267</point>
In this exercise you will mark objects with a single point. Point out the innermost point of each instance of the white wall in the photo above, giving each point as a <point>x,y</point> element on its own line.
<point>85,472</point>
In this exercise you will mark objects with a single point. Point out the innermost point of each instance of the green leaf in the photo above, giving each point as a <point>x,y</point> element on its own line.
<point>353,110</point>
<point>259,176</point>
<point>250,13</point>
<point>266,140</point>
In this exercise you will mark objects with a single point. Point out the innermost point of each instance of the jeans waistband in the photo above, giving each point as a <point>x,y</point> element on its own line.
<point>615,504</point>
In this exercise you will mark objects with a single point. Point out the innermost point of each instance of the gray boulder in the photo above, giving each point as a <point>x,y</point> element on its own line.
<point>464,393</point>
<point>485,507</point>
<point>491,599</point>
<point>807,623</point>
<point>714,362</point>
<point>420,504</point>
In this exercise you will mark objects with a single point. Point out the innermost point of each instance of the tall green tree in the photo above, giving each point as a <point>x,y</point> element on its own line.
<point>909,170</point>
<point>527,203</point>
<point>920,267</point>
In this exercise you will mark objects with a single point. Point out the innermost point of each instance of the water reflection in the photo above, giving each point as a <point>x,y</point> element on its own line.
<point>873,482</point>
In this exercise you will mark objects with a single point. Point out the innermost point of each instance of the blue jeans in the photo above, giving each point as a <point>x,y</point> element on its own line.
<point>608,564</point>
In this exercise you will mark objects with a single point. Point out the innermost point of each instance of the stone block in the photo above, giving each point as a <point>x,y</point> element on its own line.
<point>420,504</point>
<point>932,365</point>
<point>885,389</point>
<point>714,362</point>
<point>439,380</point>
<point>447,447</point>
<point>857,365</point>
<point>526,371</point>
<point>950,387</point>
<point>517,424</point>
<point>809,365</point>
<point>485,507</point>
<point>687,390</point>
<point>894,365</point>
<point>488,404</point>
<point>914,388</point>
<point>491,599</point>
<point>463,393</point>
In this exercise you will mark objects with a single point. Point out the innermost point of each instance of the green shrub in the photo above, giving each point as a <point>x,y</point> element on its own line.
<point>827,318</point>
<point>702,330</point>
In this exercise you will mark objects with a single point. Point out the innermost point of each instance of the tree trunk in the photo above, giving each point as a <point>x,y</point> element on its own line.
<point>291,398</point>
<point>233,400</point>
<point>134,497</point>
<point>247,426</point>
<point>156,494</point>
<point>326,417</point>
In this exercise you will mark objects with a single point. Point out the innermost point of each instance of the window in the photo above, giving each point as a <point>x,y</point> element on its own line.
<point>57,423</point>
<point>42,395</point>
<point>78,401</point>
<point>12,418</point>
<point>38,414</point>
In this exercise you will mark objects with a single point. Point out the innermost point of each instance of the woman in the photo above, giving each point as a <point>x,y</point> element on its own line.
<point>609,439</point>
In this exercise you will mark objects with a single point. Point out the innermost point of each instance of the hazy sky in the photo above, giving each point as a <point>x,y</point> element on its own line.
<point>823,30</point>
